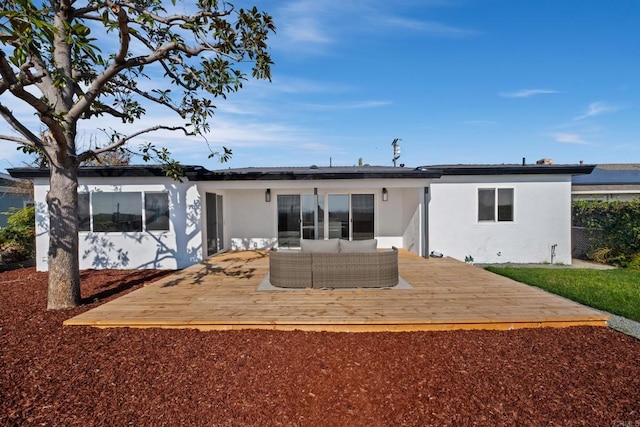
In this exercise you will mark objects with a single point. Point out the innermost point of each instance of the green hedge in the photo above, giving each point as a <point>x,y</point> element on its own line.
<point>17,239</point>
<point>620,226</point>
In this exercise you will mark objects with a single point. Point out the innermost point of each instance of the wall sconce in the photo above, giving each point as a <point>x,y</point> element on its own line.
<point>267,195</point>
<point>385,195</point>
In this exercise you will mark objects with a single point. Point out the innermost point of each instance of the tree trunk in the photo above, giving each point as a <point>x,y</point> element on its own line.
<point>64,270</point>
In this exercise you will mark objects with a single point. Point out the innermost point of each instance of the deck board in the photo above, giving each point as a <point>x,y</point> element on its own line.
<point>220,294</point>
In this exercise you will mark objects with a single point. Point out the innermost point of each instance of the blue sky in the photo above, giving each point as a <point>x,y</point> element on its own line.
<point>459,81</point>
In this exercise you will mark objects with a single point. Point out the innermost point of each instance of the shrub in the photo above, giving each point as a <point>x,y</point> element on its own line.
<point>620,226</point>
<point>634,264</point>
<point>12,252</point>
<point>17,239</point>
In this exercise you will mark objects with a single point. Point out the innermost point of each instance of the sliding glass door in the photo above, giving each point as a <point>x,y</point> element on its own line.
<point>289,220</point>
<point>362,213</point>
<point>215,236</point>
<point>345,216</point>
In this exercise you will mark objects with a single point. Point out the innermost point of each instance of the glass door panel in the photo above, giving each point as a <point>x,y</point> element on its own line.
<point>309,216</point>
<point>312,217</point>
<point>289,220</point>
<point>339,216</point>
<point>214,223</point>
<point>362,213</point>
<point>219,224</point>
<point>320,218</point>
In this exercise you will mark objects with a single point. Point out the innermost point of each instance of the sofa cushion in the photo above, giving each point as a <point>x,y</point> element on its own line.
<point>358,246</point>
<point>319,246</point>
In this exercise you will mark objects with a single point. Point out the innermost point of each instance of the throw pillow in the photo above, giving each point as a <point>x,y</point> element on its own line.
<point>358,246</point>
<point>320,246</point>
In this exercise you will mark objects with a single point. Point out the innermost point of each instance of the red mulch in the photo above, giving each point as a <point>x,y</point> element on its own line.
<point>50,375</point>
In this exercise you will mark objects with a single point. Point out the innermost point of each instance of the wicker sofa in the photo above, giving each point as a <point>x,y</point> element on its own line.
<point>334,269</point>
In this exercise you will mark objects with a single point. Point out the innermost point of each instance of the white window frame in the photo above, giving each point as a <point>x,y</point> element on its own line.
<point>143,211</point>
<point>496,192</point>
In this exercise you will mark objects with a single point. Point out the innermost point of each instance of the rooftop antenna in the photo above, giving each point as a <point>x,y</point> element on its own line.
<point>396,150</point>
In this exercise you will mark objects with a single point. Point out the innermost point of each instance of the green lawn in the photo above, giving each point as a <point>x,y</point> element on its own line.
<point>615,291</point>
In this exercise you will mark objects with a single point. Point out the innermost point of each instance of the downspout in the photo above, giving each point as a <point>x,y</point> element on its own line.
<point>425,223</point>
<point>315,214</point>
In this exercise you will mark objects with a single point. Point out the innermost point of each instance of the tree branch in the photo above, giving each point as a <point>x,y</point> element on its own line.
<point>32,139</point>
<point>123,21</point>
<point>161,53</point>
<point>14,85</point>
<point>83,12</point>
<point>17,89</point>
<point>121,141</point>
<point>101,108</point>
<point>154,99</point>
<point>173,19</point>
<point>16,139</point>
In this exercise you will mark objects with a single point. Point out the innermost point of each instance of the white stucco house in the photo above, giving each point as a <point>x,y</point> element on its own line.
<point>135,217</point>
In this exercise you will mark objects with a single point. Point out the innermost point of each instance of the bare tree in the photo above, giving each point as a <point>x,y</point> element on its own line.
<point>74,60</point>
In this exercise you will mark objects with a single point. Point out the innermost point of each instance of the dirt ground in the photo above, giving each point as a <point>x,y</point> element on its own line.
<point>55,376</point>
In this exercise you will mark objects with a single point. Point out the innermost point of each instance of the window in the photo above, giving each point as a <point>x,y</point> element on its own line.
<point>495,203</point>
<point>123,211</point>
<point>156,211</point>
<point>117,211</point>
<point>505,204</point>
<point>84,214</point>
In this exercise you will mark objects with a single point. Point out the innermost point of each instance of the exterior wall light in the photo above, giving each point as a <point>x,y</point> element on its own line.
<point>267,195</point>
<point>385,195</point>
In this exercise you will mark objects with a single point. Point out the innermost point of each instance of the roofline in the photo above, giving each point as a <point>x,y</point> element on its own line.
<point>302,175</point>
<point>600,185</point>
<point>513,169</point>
<point>8,177</point>
<point>199,173</point>
<point>100,171</point>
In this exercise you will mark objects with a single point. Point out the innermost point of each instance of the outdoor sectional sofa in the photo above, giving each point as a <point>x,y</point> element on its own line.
<point>334,263</point>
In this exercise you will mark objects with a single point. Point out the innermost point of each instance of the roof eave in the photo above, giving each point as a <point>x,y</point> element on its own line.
<point>206,175</point>
<point>100,171</point>
<point>516,170</point>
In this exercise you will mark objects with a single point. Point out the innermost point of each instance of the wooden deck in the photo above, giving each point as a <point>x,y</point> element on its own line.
<point>220,294</point>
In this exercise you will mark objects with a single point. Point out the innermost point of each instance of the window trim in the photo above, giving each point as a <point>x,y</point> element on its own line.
<point>143,211</point>
<point>88,193</point>
<point>496,206</point>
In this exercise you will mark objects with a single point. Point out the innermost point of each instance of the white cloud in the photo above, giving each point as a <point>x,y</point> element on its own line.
<point>526,93</point>
<point>570,138</point>
<point>311,27</point>
<point>596,109</point>
<point>347,105</point>
<point>431,27</point>
<point>297,85</point>
<point>303,23</point>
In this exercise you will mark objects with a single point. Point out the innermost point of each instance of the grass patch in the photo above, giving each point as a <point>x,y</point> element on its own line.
<point>615,291</point>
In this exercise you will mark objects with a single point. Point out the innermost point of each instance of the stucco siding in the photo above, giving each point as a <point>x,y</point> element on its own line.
<point>542,219</point>
<point>178,247</point>
<point>252,222</point>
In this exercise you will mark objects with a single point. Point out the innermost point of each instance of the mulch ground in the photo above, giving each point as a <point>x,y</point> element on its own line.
<point>54,375</point>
